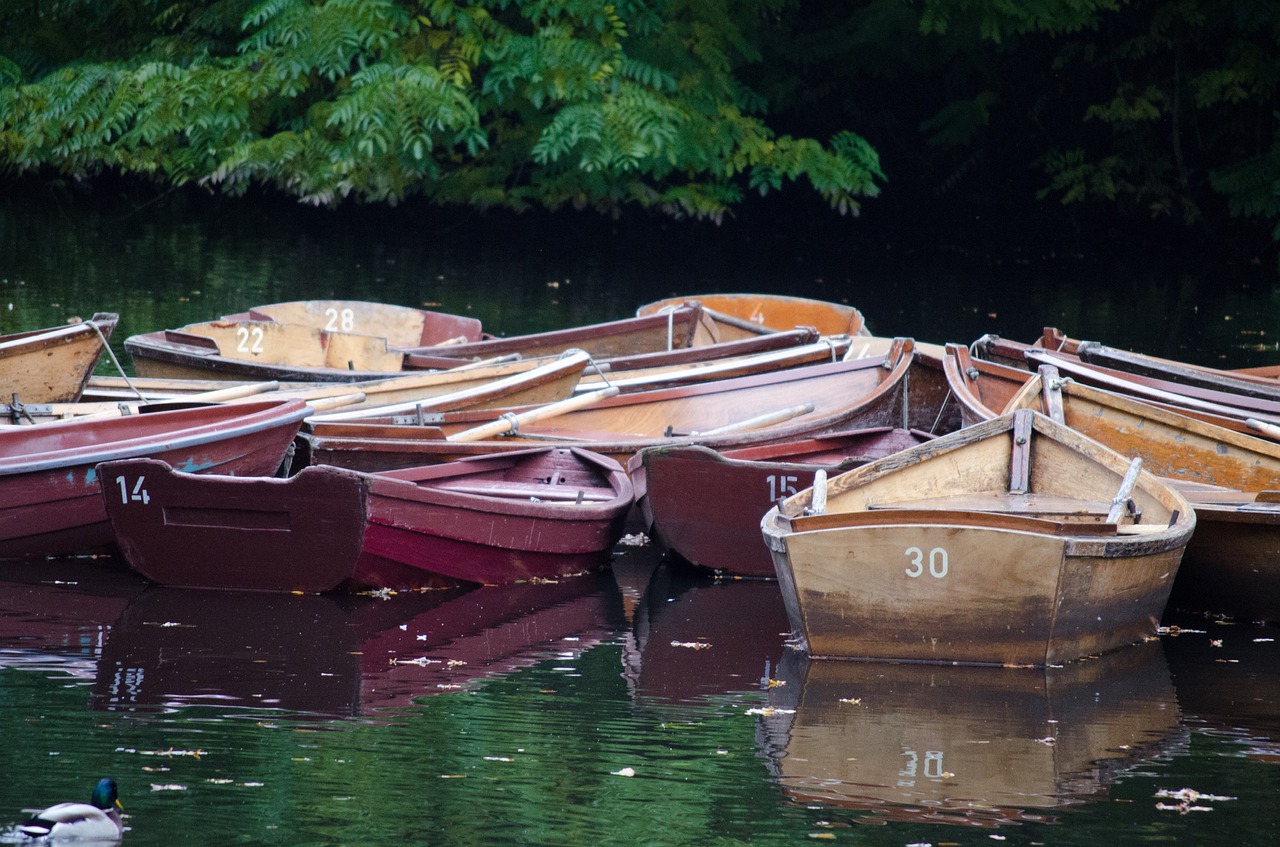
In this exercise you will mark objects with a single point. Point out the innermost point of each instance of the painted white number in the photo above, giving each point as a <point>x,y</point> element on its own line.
<point>137,495</point>
<point>781,486</point>
<point>344,320</point>
<point>938,562</point>
<point>249,340</point>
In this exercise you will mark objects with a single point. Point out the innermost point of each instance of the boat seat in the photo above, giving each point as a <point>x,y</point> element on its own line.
<point>524,492</point>
<point>1030,505</point>
<point>955,517</point>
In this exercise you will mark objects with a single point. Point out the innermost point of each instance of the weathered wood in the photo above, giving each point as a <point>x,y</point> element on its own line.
<point>967,583</point>
<point>513,422</point>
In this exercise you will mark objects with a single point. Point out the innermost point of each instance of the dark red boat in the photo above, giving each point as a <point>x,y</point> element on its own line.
<point>50,500</point>
<point>301,534</point>
<point>531,514</point>
<point>528,514</point>
<point>704,505</point>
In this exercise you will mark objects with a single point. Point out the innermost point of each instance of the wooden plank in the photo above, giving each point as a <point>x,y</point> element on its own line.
<point>1020,455</point>
<point>950,517</point>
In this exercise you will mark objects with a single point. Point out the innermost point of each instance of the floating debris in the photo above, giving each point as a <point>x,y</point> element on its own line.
<point>638,539</point>
<point>692,645</point>
<point>770,711</point>
<point>1187,799</point>
<point>625,772</point>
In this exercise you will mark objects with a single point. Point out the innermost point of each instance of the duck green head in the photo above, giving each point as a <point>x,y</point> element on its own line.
<point>106,794</point>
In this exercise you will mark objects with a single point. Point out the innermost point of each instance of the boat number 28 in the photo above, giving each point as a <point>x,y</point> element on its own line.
<point>137,494</point>
<point>343,321</point>
<point>935,561</point>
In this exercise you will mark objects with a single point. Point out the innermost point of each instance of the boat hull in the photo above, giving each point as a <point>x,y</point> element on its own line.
<point>455,522</point>
<point>50,498</point>
<point>706,506</point>
<point>969,595</point>
<point>53,365</point>
<point>301,534</point>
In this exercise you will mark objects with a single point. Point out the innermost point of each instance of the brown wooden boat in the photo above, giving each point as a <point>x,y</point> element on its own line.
<point>533,514</point>
<point>50,500</point>
<point>721,414</point>
<point>966,746</point>
<point>684,326</point>
<point>243,349</point>
<point>401,326</point>
<point>1011,542</point>
<point>51,365</point>
<point>1232,564</point>
<point>1221,401</point>
<point>774,311</point>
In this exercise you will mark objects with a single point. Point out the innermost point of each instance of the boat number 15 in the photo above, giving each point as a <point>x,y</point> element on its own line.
<point>137,495</point>
<point>935,561</point>
<point>781,486</point>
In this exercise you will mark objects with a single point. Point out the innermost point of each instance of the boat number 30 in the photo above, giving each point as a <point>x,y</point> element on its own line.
<point>137,494</point>
<point>249,339</point>
<point>935,561</point>
<point>340,321</point>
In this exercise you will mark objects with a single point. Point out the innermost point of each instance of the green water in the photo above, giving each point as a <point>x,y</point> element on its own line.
<point>643,707</point>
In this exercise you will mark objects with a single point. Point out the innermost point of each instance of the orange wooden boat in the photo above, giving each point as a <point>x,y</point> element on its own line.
<point>773,311</point>
<point>51,365</point>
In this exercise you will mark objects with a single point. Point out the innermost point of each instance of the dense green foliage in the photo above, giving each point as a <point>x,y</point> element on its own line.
<point>1161,109</point>
<point>492,103</point>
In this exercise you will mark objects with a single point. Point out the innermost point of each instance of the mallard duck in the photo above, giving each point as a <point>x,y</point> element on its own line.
<point>97,820</point>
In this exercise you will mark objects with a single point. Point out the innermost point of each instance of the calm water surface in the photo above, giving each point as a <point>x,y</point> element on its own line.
<point>639,706</point>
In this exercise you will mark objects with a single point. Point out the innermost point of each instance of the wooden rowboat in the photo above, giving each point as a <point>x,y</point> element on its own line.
<point>1011,542</point>
<point>967,746</point>
<point>774,311</point>
<point>300,534</point>
<point>721,414</point>
<point>543,513</point>
<point>536,514</point>
<point>705,505</point>
<point>52,365</point>
<point>1232,564</point>
<point>50,501</point>
<point>684,326</point>
<point>245,349</point>
<point>401,326</point>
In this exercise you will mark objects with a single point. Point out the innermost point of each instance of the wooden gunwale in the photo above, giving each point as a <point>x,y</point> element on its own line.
<point>774,311</point>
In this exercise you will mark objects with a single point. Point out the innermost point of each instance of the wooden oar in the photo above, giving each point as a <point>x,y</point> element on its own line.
<point>759,421</point>
<point>234,392</point>
<point>1121,501</point>
<point>324,403</point>
<point>510,422</point>
<point>1269,430</point>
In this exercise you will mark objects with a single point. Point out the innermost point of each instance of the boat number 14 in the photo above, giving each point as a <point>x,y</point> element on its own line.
<point>137,495</point>
<point>935,562</point>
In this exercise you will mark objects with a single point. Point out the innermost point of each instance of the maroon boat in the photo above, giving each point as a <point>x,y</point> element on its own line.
<point>703,504</point>
<point>532,514</point>
<point>301,534</point>
<point>50,501</point>
<point>528,514</point>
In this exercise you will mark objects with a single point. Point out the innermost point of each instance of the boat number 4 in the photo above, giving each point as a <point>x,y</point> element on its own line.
<point>343,321</point>
<point>249,339</point>
<point>781,486</point>
<point>936,562</point>
<point>137,495</point>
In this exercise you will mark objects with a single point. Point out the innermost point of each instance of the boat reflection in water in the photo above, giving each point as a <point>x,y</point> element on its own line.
<point>59,616</point>
<point>966,745</point>
<point>339,656</point>
<point>693,638</point>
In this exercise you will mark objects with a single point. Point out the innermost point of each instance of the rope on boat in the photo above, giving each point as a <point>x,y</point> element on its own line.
<point>111,353</point>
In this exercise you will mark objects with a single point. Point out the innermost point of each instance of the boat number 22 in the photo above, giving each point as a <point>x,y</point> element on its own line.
<point>249,339</point>
<point>935,561</point>
<point>137,495</point>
